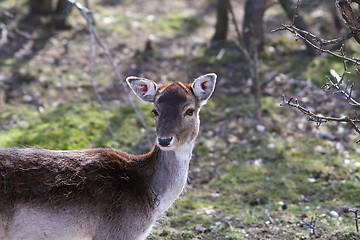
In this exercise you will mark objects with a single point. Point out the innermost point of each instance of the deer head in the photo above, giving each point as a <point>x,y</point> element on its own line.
<point>175,107</point>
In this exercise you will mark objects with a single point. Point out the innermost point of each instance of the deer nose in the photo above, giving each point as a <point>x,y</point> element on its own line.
<point>165,142</point>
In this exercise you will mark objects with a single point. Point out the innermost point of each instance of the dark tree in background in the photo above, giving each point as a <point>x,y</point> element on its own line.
<point>40,6</point>
<point>58,13</point>
<point>253,42</point>
<point>253,26</point>
<point>222,20</point>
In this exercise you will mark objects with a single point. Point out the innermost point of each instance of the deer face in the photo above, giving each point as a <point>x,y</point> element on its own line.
<point>175,107</point>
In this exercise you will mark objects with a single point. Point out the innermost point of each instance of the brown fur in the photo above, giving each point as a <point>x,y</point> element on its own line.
<point>36,174</point>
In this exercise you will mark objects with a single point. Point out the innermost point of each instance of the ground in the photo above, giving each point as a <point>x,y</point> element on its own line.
<point>279,177</point>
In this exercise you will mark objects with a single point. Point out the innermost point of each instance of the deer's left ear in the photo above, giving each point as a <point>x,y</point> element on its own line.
<point>204,86</point>
<point>144,88</point>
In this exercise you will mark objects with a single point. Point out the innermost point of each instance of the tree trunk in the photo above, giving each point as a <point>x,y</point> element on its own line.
<point>348,16</point>
<point>40,6</point>
<point>62,10</point>
<point>253,27</point>
<point>222,20</point>
<point>335,17</point>
<point>256,87</point>
<point>253,35</point>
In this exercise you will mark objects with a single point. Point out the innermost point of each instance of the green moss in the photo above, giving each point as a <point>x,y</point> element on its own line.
<point>172,22</point>
<point>113,21</point>
<point>210,57</point>
<point>73,126</point>
<point>349,191</point>
<point>169,23</point>
<point>9,62</point>
<point>8,4</point>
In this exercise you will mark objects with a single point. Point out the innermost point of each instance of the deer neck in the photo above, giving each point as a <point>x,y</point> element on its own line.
<point>170,175</point>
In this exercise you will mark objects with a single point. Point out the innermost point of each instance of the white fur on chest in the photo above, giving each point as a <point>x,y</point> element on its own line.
<point>178,176</point>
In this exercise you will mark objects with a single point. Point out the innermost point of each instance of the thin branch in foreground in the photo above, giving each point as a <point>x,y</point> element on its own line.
<point>240,41</point>
<point>347,93</point>
<point>319,119</point>
<point>304,35</point>
<point>356,218</point>
<point>87,14</point>
<point>252,59</point>
<point>4,33</point>
<point>337,84</point>
<point>308,35</point>
<point>122,83</point>
<point>314,230</point>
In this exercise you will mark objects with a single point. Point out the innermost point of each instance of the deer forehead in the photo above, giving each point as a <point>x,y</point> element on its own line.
<point>175,95</point>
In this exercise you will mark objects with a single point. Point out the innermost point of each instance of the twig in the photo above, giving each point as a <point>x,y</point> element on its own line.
<point>240,43</point>
<point>302,35</point>
<point>356,218</point>
<point>22,33</point>
<point>122,83</point>
<point>348,95</point>
<point>87,14</point>
<point>271,219</point>
<point>253,61</point>
<point>125,88</point>
<point>4,33</point>
<point>307,35</point>
<point>312,226</point>
<point>319,119</point>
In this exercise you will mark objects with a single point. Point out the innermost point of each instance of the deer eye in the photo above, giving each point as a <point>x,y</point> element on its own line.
<point>155,113</point>
<point>190,111</point>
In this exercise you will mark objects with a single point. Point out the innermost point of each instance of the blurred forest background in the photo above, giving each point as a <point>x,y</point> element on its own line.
<point>259,170</point>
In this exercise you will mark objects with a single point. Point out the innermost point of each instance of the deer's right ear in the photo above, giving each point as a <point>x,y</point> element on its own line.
<point>144,88</point>
<point>204,86</point>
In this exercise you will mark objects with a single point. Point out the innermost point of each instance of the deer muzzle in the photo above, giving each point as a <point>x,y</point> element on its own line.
<point>165,142</point>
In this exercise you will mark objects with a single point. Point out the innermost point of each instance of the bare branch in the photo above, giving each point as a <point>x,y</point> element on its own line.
<point>309,35</point>
<point>356,218</point>
<point>319,119</point>
<point>252,60</point>
<point>314,230</point>
<point>240,43</point>
<point>305,34</point>
<point>87,14</point>
<point>122,83</point>
<point>339,90</point>
<point>4,33</point>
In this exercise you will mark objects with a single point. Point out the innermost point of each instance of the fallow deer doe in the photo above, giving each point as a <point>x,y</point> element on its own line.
<point>104,194</point>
